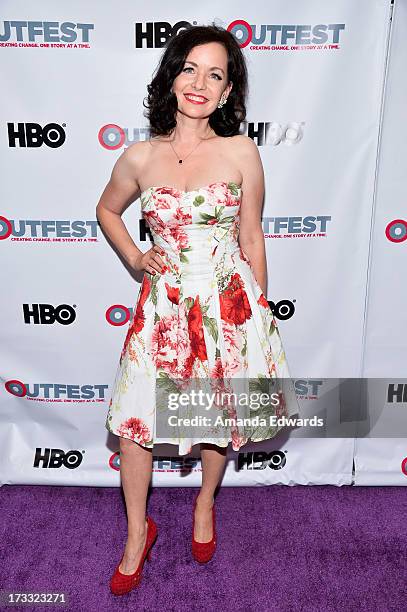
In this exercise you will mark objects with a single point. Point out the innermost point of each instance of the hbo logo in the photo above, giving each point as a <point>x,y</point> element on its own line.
<point>56,457</point>
<point>275,460</point>
<point>33,135</point>
<point>46,314</point>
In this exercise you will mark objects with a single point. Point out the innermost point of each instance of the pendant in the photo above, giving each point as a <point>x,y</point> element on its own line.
<point>180,161</point>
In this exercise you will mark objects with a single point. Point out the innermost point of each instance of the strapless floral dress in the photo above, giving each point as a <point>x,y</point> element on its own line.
<point>204,319</point>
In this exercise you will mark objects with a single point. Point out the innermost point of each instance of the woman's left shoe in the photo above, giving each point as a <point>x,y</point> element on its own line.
<point>120,584</point>
<point>203,551</point>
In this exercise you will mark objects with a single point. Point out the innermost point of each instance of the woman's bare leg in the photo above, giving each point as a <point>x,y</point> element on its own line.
<point>135,473</point>
<point>213,459</point>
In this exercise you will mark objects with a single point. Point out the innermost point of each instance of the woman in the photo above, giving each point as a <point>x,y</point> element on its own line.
<point>201,309</point>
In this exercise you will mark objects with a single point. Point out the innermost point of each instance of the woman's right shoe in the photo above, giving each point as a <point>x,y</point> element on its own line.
<point>203,551</point>
<point>120,584</point>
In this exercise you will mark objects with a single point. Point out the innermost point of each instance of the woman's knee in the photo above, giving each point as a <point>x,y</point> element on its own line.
<point>127,445</point>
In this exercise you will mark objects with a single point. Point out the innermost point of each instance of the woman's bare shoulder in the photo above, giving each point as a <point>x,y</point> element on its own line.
<point>135,156</point>
<point>242,143</point>
<point>242,148</point>
<point>141,149</point>
<point>137,149</point>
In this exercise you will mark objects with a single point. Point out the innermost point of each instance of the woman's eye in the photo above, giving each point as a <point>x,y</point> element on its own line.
<point>219,78</point>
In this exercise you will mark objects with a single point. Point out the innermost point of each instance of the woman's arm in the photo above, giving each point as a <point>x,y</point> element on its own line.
<point>251,236</point>
<point>120,191</point>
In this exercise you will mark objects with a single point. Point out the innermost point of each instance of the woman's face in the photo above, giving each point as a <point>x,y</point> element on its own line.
<point>203,80</point>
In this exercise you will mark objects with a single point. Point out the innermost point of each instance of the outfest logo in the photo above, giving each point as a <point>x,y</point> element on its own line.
<point>308,226</point>
<point>48,230</point>
<point>48,34</point>
<point>57,392</point>
<point>163,464</point>
<point>286,37</point>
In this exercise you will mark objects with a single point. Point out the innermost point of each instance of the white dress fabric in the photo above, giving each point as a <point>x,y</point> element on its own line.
<point>203,319</point>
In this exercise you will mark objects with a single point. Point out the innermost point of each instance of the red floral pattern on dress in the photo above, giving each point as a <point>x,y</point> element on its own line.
<point>172,293</point>
<point>135,429</point>
<point>167,339</point>
<point>202,316</point>
<point>196,334</point>
<point>263,302</point>
<point>138,321</point>
<point>233,344</point>
<point>234,305</point>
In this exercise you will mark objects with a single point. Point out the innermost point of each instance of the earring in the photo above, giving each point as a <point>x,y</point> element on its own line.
<point>222,101</point>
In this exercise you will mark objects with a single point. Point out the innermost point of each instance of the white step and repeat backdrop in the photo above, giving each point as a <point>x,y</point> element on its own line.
<point>76,76</point>
<point>383,457</point>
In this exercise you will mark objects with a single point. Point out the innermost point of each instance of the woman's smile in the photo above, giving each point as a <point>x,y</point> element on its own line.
<point>195,99</point>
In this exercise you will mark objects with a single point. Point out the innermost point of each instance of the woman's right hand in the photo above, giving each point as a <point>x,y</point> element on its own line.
<point>150,261</point>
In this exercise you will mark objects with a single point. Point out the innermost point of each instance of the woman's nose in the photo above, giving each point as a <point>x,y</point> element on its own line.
<point>199,82</point>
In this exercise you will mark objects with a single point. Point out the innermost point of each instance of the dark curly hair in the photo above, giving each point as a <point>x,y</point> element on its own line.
<point>162,104</point>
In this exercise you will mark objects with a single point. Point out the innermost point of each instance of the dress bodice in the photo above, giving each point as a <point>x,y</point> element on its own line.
<point>195,228</point>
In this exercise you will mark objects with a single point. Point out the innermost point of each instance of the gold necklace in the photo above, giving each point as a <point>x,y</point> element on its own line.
<point>180,161</point>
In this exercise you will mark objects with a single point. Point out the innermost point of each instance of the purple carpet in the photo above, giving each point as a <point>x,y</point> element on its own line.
<point>279,548</point>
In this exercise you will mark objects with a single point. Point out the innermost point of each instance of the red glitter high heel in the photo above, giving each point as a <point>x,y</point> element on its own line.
<point>120,584</point>
<point>203,551</point>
